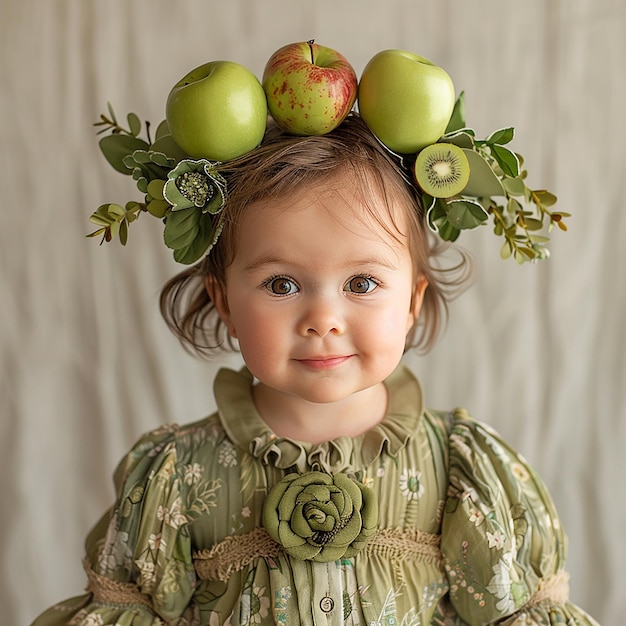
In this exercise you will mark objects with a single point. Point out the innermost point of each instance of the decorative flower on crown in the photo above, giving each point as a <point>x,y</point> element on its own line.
<point>320,517</point>
<point>195,185</point>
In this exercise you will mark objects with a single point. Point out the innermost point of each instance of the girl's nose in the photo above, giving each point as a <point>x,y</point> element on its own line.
<point>321,317</point>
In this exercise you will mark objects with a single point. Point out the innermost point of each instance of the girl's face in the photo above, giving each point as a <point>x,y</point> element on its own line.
<point>320,306</point>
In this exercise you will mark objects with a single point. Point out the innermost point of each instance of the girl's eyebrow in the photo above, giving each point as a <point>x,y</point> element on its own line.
<point>369,261</point>
<point>262,261</point>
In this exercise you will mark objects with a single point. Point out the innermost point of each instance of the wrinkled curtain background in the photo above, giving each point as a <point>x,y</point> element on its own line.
<point>87,364</point>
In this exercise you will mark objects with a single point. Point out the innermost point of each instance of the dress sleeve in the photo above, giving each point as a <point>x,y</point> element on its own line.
<point>502,542</point>
<point>138,557</point>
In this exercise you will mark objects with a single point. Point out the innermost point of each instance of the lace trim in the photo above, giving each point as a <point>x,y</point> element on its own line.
<point>106,590</point>
<point>410,544</point>
<point>236,552</point>
<point>554,589</point>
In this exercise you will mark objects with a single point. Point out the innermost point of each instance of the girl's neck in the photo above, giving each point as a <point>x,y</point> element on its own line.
<point>298,419</point>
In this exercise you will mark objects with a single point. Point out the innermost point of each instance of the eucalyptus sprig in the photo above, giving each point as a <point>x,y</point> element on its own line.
<point>497,188</point>
<point>148,163</point>
<point>111,124</point>
<point>113,220</point>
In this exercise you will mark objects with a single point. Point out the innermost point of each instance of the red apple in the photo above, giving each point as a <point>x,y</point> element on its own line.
<point>310,89</point>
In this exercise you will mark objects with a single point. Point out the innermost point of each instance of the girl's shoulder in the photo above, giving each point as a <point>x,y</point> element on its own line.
<point>169,444</point>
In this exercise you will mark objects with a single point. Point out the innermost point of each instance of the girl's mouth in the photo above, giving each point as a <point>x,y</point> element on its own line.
<point>324,362</point>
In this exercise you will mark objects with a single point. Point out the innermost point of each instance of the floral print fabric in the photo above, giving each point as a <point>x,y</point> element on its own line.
<point>495,555</point>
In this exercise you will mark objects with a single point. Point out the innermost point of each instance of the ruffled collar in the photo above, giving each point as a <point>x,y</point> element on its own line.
<point>246,428</point>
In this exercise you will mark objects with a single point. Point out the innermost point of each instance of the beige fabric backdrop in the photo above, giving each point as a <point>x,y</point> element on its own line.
<point>86,363</point>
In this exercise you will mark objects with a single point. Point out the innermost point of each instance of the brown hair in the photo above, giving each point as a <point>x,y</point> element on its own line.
<point>284,164</point>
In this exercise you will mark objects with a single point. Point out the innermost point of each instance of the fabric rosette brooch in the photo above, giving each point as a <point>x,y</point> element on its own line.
<point>219,111</point>
<point>320,517</point>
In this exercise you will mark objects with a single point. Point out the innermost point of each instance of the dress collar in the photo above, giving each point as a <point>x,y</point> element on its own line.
<point>246,428</point>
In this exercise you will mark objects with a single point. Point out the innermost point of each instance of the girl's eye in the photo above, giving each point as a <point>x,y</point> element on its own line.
<point>360,284</point>
<point>281,286</point>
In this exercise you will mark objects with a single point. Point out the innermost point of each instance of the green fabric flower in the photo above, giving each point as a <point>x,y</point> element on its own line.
<point>320,517</point>
<point>195,184</point>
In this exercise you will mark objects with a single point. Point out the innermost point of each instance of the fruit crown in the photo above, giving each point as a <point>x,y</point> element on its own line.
<point>464,182</point>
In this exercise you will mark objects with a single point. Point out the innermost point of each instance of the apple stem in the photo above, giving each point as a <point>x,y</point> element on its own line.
<point>310,42</point>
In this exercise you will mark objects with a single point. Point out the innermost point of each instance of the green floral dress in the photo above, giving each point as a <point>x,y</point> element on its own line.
<point>428,518</point>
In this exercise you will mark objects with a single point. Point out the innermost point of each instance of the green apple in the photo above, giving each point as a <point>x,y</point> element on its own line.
<point>406,100</point>
<point>310,88</point>
<point>218,111</point>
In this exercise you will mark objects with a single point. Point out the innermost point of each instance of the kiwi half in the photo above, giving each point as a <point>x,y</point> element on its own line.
<point>442,170</point>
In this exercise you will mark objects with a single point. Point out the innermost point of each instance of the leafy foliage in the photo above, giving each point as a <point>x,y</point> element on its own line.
<point>496,189</point>
<point>188,195</point>
<point>190,229</point>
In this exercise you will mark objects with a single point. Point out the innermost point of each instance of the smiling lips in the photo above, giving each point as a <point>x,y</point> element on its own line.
<point>323,362</point>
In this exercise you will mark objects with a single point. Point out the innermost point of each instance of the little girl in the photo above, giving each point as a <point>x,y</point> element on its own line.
<point>321,491</point>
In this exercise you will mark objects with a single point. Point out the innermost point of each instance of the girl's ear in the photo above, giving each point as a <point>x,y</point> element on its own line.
<point>416,301</point>
<point>218,297</point>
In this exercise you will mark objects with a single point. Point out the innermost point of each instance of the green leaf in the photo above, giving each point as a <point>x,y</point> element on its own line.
<point>463,214</point>
<point>97,220</point>
<point>513,206</point>
<point>146,166</point>
<point>113,231</point>
<point>162,129</point>
<point>158,208</point>
<point>463,138</point>
<point>165,144</point>
<point>483,181</point>
<point>133,209</point>
<point>158,158</point>
<point>528,253</point>
<point>448,232</point>
<point>181,228</point>
<point>545,197</point>
<point>116,147</point>
<point>514,186</point>
<point>134,124</point>
<point>123,232</point>
<point>533,224</point>
<point>142,181</point>
<point>204,237</point>
<point>107,214</point>
<point>457,119</point>
<point>96,233</point>
<point>506,250</point>
<point>111,112</point>
<point>155,189</point>
<point>101,216</point>
<point>506,159</point>
<point>141,157</point>
<point>117,211</point>
<point>539,239</point>
<point>502,136</point>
